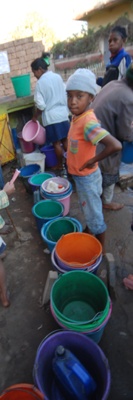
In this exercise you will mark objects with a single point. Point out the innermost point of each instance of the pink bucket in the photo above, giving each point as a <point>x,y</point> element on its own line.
<point>66,203</point>
<point>34,132</point>
<point>26,147</point>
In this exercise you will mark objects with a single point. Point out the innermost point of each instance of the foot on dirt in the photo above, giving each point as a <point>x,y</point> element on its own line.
<point>128,283</point>
<point>113,206</point>
<point>3,255</point>
<point>6,229</point>
<point>4,297</point>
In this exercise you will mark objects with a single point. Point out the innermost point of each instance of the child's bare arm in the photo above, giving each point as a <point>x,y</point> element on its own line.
<point>9,188</point>
<point>111,144</point>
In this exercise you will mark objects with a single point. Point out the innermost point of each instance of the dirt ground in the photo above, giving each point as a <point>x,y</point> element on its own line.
<point>25,323</point>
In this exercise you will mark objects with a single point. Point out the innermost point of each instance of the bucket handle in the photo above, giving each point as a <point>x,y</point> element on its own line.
<point>95,318</point>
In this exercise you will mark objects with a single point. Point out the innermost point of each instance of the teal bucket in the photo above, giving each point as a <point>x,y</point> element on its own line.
<point>36,180</point>
<point>46,210</point>
<point>21,85</point>
<point>79,301</point>
<point>53,230</point>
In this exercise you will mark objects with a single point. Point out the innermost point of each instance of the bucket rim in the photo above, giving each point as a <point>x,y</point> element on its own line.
<point>48,201</point>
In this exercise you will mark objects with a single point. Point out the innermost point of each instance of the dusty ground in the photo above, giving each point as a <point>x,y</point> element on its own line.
<point>26,323</point>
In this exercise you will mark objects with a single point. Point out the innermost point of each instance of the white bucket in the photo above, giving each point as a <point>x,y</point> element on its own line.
<point>35,158</point>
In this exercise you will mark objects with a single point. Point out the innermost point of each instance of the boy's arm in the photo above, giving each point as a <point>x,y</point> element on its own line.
<point>111,144</point>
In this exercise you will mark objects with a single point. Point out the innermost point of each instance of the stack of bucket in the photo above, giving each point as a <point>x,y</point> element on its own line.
<point>53,230</point>
<point>77,251</point>
<point>80,302</point>
<point>63,194</point>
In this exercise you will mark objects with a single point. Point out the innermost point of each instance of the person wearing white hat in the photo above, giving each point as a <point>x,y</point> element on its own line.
<point>82,161</point>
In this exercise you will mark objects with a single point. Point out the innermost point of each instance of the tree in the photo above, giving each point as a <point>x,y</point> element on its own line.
<point>34,25</point>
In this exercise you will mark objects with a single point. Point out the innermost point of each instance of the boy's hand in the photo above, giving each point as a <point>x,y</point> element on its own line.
<point>89,164</point>
<point>9,188</point>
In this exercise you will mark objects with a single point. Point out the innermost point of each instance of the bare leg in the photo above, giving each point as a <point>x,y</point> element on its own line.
<point>3,290</point>
<point>6,229</point>
<point>64,142</point>
<point>59,154</point>
<point>101,238</point>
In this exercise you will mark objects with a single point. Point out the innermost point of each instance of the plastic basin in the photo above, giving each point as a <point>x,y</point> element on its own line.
<point>34,132</point>
<point>46,210</point>
<point>88,353</point>
<point>77,249</point>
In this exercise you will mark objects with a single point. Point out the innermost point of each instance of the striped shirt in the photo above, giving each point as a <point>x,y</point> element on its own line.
<point>4,202</point>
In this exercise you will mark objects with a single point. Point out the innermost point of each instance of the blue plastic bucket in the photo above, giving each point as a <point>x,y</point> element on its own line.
<point>27,172</point>
<point>46,210</point>
<point>51,159</point>
<point>88,353</point>
<point>127,153</point>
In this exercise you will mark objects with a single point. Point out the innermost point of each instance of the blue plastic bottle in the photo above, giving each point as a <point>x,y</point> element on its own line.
<point>72,375</point>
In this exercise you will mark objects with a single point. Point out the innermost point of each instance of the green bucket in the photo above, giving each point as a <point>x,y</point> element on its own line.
<point>60,226</point>
<point>80,300</point>
<point>21,84</point>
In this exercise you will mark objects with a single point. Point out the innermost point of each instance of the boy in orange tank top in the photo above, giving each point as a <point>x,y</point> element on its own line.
<point>82,161</point>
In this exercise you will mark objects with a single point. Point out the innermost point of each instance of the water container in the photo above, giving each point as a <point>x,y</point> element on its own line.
<point>72,375</point>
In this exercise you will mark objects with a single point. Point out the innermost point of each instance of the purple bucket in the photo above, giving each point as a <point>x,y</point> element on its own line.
<point>88,353</point>
<point>51,158</point>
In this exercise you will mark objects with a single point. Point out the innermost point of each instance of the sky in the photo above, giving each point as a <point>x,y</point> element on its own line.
<point>58,13</point>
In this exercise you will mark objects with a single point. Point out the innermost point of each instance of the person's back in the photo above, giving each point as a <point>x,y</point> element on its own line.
<point>113,107</point>
<point>51,86</point>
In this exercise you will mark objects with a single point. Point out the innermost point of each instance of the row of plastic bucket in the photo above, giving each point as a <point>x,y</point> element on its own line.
<point>80,301</point>
<point>87,352</point>
<point>53,230</point>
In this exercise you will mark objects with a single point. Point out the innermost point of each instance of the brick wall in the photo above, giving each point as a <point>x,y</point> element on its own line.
<point>20,55</point>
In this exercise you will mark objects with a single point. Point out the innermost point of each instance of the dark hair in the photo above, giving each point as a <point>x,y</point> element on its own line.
<point>120,30</point>
<point>41,62</point>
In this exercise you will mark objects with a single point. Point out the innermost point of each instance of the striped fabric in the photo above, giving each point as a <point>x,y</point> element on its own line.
<point>93,131</point>
<point>4,202</point>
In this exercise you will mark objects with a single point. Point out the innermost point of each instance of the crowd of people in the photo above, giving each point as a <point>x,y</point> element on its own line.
<point>100,122</point>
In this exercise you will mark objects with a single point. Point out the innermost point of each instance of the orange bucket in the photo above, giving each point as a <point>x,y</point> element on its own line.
<point>22,391</point>
<point>77,249</point>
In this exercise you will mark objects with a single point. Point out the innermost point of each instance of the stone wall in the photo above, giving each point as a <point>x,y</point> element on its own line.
<point>20,55</point>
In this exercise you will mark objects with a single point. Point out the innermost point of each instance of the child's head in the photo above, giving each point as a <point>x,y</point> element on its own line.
<point>81,89</point>
<point>40,65</point>
<point>117,39</point>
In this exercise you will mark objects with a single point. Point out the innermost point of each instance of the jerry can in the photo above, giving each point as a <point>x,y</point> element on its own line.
<point>75,380</point>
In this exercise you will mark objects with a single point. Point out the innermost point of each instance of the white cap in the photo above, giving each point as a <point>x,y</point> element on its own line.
<point>83,80</point>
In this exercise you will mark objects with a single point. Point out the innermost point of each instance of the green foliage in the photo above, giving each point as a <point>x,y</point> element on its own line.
<point>87,42</point>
